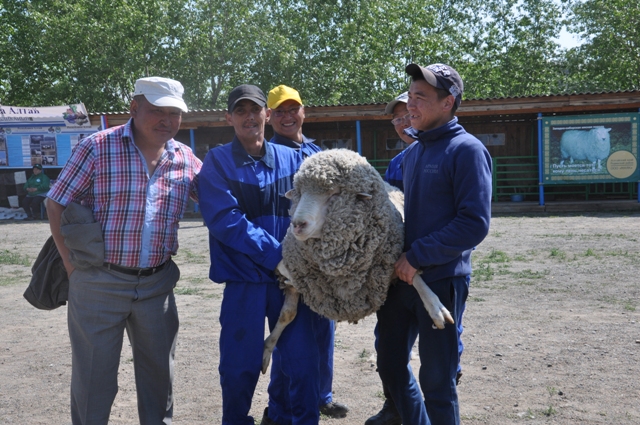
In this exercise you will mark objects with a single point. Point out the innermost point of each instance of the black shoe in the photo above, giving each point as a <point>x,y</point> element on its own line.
<point>458,376</point>
<point>387,416</point>
<point>29,219</point>
<point>266,420</point>
<point>334,410</point>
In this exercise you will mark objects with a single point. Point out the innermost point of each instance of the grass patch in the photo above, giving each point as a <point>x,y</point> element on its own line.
<point>558,254</point>
<point>12,258</point>
<point>197,280</point>
<point>621,253</point>
<point>476,299</point>
<point>186,291</point>
<point>530,274</point>
<point>189,256</point>
<point>14,280</point>
<point>483,272</point>
<point>497,256</point>
<point>521,258</point>
<point>590,253</point>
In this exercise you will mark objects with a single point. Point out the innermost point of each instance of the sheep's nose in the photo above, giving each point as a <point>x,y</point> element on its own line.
<point>299,225</point>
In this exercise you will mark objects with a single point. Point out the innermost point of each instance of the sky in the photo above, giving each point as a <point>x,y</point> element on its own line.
<point>568,40</point>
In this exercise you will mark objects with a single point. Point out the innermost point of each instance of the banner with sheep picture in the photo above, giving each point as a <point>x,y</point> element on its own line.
<point>590,148</point>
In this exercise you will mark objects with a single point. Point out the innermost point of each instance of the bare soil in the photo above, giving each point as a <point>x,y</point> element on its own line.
<point>551,332</point>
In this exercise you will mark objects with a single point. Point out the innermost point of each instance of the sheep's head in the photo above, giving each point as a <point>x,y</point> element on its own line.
<point>325,179</point>
<point>311,210</point>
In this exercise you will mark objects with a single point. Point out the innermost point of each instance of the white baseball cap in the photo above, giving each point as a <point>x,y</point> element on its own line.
<point>161,92</point>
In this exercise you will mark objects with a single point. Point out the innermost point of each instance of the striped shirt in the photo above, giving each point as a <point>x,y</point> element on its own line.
<point>139,213</point>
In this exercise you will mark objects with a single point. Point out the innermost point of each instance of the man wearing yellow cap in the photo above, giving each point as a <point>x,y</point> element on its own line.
<point>287,117</point>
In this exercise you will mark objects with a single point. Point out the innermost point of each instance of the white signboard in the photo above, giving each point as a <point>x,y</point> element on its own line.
<point>69,116</point>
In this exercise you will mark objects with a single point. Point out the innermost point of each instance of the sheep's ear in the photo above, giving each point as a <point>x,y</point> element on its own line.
<point>289,194</point>
<point>363,196</point>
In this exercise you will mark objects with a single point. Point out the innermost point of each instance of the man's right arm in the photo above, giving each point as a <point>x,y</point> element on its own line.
<point>54,211</point>
<point>227,221</point>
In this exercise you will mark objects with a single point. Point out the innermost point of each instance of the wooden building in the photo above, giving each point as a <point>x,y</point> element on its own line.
<point>507,126</point>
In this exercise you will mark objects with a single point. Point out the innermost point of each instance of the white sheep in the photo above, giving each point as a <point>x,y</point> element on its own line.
<point>345,236</point>
<point>593,145</point>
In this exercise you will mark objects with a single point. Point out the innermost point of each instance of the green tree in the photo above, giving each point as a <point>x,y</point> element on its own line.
<point>212,46</point>
<point>516,54</point>
<point>609,58</point>
<point>89,51</point>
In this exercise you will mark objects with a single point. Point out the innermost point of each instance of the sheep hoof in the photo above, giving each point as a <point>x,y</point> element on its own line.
<point>441,317</point>
<point>266,359</point>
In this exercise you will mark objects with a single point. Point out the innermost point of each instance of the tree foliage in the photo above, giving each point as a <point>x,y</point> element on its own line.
<point>609,58</point>
<point>332,51</point>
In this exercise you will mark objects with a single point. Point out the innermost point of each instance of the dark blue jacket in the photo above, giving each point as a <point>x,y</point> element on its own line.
<point>306,148</point>
<point>447,187</point>
<point>243,205</point>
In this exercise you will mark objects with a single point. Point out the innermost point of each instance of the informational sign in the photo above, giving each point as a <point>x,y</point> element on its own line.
<point>46,135</point>
<point>590,149</point>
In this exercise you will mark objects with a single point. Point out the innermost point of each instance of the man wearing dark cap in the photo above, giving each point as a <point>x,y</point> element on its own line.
<point>447,186</point>
<point>37,187</point>
<point>136,180</point>
<point>241,188</point>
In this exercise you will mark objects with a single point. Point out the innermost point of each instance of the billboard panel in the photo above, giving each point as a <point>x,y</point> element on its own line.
<point>590,149</point>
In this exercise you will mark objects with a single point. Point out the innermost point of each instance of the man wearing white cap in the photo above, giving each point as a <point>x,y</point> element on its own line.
<point>137,181</point>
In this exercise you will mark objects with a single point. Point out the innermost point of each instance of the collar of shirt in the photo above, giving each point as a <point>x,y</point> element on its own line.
<point>241,157</point>
<point>127,133</point>
<point>435,134</point>
<point>285,141</point>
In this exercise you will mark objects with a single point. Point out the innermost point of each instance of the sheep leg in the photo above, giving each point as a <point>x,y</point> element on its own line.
<point>287,314</point>
<point>438,312</point>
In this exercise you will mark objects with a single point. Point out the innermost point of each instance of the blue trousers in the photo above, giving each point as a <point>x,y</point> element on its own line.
<point>244,308</point>
<point>398,319</point>
<point>325,336</point>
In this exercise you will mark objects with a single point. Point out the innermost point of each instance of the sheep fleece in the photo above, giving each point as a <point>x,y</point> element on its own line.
<point>345,274</point>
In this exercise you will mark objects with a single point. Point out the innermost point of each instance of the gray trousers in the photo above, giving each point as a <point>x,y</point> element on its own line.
<point>102,303</point>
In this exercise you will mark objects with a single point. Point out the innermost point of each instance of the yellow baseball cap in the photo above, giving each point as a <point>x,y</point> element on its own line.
<point>281,94</point>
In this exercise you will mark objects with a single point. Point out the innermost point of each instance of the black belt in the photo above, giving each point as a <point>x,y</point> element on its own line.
<point>133,271</point>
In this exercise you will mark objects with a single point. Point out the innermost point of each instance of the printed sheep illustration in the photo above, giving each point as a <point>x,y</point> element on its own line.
<point>345,236</point>
<point>593,145</point>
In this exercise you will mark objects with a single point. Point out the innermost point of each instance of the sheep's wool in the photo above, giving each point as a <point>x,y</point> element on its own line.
<point>345,274</point>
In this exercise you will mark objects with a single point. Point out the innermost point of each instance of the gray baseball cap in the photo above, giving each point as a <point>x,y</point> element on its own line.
<point>403,98</point>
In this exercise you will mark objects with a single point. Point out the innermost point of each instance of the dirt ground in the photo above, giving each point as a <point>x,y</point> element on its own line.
<point>551,332</point>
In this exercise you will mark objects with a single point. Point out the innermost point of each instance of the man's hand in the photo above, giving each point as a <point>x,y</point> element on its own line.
<point>404,270</point>
<point>68,266</point>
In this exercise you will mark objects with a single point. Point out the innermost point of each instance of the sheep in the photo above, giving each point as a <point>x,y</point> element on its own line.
<point>593,145</point>
<point>345,236</point>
